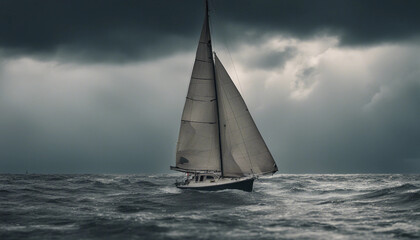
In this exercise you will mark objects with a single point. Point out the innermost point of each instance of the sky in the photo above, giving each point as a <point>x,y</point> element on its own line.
<point>99,86</point>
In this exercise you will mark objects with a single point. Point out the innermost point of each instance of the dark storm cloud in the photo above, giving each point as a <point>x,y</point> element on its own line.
<point>97,30</point>
<point>357,22</point>
<point>127,30</point>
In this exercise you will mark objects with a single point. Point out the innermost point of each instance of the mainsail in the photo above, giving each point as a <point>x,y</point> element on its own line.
<point>198,141</point>
<point>236,147</point>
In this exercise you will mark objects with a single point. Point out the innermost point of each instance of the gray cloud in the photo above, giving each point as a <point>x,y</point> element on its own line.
<point>356,22</point>
<point>115,31</point>
<point>272,59</point>
<point>364,121</point>
<point>97,31</point>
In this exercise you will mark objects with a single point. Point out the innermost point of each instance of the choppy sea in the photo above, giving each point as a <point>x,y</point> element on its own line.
<point>283,206</point>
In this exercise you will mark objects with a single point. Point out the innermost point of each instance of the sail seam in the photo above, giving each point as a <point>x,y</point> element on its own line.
<point>207,79</point>
<point>198,100</point>
<point>198,122</point>
<point>202,60</point>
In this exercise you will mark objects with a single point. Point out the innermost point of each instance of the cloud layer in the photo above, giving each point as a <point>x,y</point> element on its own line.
<point>115,31</point>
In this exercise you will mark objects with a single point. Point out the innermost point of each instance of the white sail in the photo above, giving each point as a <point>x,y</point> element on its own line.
<point>198,141</point>
<point>244,151</point>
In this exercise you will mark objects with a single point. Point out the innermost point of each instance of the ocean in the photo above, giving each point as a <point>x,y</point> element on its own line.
<point>283,206</point>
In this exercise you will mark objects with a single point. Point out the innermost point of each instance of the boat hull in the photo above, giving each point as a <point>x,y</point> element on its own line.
<point>244,185</point>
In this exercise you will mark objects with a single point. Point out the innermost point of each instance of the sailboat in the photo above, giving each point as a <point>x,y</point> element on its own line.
<point>219,146</point>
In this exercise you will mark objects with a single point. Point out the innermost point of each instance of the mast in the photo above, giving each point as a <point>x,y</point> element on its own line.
<point>215,90</point>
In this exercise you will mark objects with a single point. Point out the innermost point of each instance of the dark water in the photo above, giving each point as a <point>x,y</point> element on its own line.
<point>150,207</point>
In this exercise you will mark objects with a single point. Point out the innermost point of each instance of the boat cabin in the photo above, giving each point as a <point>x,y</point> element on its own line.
<point>202,177</point>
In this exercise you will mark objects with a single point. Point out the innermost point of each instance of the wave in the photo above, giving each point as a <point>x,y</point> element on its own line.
<point>402,195</point>
<point>389,191</point>
<point>145,183</point>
